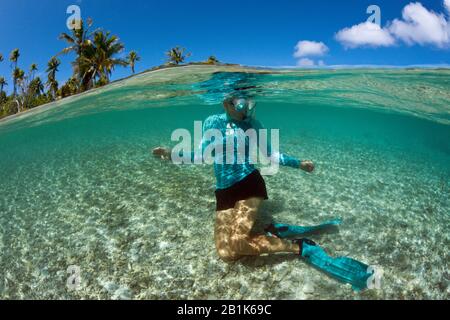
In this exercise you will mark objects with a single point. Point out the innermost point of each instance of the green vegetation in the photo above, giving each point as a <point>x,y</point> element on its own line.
<point>97,54</point>
<point>96,57</point>
<point>177,55</point>
<point>132,58</point>
<point>52,84</point>
<point>212,60</point>
<point>14,58</point>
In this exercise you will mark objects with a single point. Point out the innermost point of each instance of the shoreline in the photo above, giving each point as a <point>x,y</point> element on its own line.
<point>221,68</point>
<point>234,67</point>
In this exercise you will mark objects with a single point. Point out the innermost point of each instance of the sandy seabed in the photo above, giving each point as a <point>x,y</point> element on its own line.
<point>139,228</point>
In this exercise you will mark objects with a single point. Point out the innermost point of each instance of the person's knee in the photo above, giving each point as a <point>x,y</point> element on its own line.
<point>226,255</point>
<point>225,250</point>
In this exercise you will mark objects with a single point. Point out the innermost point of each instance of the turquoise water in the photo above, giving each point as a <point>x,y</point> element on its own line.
<point>79,187</point>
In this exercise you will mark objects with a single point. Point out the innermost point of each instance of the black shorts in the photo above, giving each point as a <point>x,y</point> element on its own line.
<point>252,186</point>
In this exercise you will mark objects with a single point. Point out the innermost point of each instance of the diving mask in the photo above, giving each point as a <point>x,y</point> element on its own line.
<point>244,105</point>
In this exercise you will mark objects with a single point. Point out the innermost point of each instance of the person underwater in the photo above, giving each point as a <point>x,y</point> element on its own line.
<point>240,190</point>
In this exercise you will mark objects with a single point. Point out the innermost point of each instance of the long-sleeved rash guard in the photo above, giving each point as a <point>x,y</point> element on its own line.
<point>227,174</point>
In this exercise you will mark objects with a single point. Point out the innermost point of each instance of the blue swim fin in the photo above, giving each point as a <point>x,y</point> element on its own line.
<point>344,269</point>
<point>284,231</point>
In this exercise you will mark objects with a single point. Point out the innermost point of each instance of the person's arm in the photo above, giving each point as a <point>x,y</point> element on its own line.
<point>166,153</point>
<point>284,159</point>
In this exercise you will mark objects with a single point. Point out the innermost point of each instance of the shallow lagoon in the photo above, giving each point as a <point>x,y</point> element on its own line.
<point>79,187</point>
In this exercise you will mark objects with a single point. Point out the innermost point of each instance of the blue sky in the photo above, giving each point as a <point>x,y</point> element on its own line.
<point>249,32</point>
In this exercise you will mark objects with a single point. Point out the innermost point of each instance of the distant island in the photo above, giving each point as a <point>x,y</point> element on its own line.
<point>96,54</point>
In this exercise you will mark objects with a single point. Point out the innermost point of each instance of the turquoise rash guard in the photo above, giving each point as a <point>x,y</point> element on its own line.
<point>227,174</point>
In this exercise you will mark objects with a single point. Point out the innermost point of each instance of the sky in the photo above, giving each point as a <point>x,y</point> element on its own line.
<point>303,33</point>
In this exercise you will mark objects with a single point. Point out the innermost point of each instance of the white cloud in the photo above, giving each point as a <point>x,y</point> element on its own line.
<point>418,25</point>
<point>367,34</point>
<point>305,62</point>
<point>321,63</point>
<point>310,48</point>
<point>421,26</point>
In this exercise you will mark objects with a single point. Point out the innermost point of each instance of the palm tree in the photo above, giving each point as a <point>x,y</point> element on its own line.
<point>132,58</point>
<point>18,77</point>
<point>52,85</point>
<point>2,93</point>
<point>79,41</point>
<point>2,84</point>
<point>33,69</point>
<point>72,84</point>
<point>2,80</point>
<point>100,59</point>
<point>14,57</point>
<point>177,55</point>
<point>36,87</point>
<point>52,68</point>
<point>212,60</point>
<point>107,47</point>
<point>69,88</point>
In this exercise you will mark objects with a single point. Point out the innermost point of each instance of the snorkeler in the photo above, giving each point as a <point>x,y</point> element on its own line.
<point>240,190</point>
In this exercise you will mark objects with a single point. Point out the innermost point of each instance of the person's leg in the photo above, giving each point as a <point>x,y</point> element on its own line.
<point>245,244</point>
<point>233,241</point>
<point>222,234</point>
<point>233,238</point>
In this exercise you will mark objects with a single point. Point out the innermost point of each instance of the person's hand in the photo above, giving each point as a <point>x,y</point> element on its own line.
<point>307,166</point>
<point>163,153</point>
